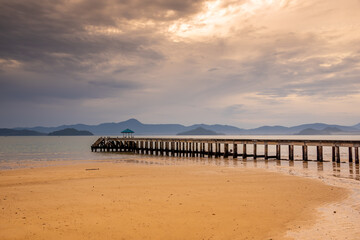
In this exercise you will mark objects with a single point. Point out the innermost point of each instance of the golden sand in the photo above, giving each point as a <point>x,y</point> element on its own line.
<point>128,201</point>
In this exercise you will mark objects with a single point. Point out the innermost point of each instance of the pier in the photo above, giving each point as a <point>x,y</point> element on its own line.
<point>235,148</point>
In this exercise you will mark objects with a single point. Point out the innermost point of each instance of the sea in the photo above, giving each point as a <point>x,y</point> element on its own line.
<point>40,151</point>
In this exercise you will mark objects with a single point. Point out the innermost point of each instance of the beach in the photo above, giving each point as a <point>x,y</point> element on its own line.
<point>124,200</point>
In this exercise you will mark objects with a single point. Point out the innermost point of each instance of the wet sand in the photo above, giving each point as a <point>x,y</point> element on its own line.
<point>131,201</point>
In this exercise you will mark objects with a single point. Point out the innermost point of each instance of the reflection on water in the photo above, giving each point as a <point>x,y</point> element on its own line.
<point>304,168</point>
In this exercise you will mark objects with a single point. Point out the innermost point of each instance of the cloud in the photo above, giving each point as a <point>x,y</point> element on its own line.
<point>192,60</point>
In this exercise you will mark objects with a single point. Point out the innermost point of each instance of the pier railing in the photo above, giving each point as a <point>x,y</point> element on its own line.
<point>224,147</point>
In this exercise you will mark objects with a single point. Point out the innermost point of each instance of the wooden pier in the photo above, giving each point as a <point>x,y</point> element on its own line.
<point>203,147</point>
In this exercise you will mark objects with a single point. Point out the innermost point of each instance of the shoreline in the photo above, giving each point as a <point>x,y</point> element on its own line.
<point>190,184</point>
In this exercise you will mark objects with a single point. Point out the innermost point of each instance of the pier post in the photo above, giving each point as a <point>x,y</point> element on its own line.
<point>333,154</point>
<point>177,148</point>
<point>255,150</point>
<point>204,149</point>
<point>146,147</point>
<point>193,149</point>
<point>140,147</point>
<point>305,152</point>
<point>337,154</point>
<point>356,155</point>
<point>185,149</point>
<point>151,147</point>
<point>210,150</point>
<point>244,154</point>
<point>291,152</point>
<point>133,145</point>
<point>161,147</point>
<point>235,150</point>
<point>266,151</point>
<point>226,150</point>
<point>350,155</point>
<point>319,153</point>
<point>189,148</point>
<point>216,150</point>
<point>172,148</point>
<point>156,148</point>
<point>201,149</point>
<point>278,151</point>
<point>196,149</point>
<point>168,150</point>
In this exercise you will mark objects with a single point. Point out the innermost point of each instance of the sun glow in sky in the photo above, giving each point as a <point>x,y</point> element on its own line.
<point>241,62</point>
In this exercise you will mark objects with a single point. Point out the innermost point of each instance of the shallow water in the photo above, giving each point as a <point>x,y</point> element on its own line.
<point>18,152</point>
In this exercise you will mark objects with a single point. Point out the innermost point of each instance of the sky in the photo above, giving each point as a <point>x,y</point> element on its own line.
<point>245,63</point>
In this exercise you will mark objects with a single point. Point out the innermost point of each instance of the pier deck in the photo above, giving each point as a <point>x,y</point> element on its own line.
<point>224,147</point>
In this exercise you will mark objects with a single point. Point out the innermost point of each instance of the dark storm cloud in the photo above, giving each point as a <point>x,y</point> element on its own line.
<point>35,31</point>
<point>60,45</point>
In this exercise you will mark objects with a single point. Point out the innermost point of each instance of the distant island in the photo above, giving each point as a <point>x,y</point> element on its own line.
<point>23,132</point>
<point>70,132</point>
<point>199,131</point>
<point>325,131</point>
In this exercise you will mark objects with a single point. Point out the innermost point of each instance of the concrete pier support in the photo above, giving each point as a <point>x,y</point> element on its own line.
<point>193,149</point>
<point>291,152</point>
<point>278,151</point>
<point>305,152</point>
<point>151,147</point>
<point>319,153</point>
<point>146,147</point>
<point>210,149</point>
<point>255,150</point>
<point>357,155</point>
<point>156,148</point>
<point>235,154</point>
<point>244,153</point>
<point>216,150</point>
<point>337,154</point>
<point>266,151</point>
<point>350,155</point>
<point>172,148</point>
<point>226,150</point>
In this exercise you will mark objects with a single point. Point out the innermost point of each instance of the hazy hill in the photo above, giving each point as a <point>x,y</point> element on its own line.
<point>114,129</point>
<point>24,132</point>
<point>139,128</point>
<point>70,132</point>
<point>199,131</point>
<point>325,131</point>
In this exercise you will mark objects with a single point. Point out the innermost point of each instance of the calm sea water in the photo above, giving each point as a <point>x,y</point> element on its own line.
<point>20,152</point>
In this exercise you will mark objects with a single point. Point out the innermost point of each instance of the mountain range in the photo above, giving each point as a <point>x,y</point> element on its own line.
<point>115,129</point>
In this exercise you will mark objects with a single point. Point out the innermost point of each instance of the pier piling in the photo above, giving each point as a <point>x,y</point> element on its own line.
<point>213,147</point>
